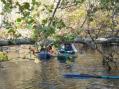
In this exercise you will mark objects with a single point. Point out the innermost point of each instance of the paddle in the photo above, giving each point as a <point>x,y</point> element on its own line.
<point>87,76</point>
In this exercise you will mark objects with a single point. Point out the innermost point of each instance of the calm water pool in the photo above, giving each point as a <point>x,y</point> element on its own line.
<point>26,74</point>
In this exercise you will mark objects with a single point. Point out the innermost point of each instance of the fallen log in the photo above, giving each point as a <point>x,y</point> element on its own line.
<point>16,41</point>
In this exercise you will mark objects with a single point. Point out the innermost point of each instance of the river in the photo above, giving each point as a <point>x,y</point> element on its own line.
<point>26,74</point>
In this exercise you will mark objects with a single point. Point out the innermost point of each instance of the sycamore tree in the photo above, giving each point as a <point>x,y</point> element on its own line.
<point>101,16</point>
<point>39,16</point>
<point>35,15</point>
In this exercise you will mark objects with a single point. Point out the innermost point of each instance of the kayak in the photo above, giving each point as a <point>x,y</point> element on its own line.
<point>44,55</point>
<point>67,52</point>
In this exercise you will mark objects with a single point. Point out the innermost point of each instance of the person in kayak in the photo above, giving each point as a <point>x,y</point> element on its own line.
<point>44,54</point>
<point>51,50</point>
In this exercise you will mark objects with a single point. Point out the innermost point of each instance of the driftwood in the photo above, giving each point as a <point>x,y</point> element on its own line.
<point>30,41</point>
<point>16,41</point>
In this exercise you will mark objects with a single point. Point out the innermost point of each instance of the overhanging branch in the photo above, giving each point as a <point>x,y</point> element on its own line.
<point>54,12</point>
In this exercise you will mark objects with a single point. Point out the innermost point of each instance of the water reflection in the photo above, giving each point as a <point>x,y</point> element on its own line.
<point>48,74</point>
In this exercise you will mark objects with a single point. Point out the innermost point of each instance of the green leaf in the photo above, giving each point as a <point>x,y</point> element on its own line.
<point>18,20</point>
<point>58,23</point>
<point>48,31</point>
<point>44,21</point>
<point>26,14</point>
<point>26,5</point>
<point>3,1</point>
<point>49,8</point>
<point>29,26</point>
<point>11,31</point>
<point>33,2</point>
<point>29,20</point>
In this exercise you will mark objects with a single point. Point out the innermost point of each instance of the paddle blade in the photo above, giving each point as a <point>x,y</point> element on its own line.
<point>78,76</point>
<point>110,77</point>
<point>86,76</point>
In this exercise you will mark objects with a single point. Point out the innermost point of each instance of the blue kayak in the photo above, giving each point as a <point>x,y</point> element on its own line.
<point>44,55</point>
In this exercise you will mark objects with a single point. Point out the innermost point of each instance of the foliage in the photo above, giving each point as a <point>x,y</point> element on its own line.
<point>58,23</point>
<point>43,31</point>
<point>7,5</point>
<point>30,16</point>
<point>3,56</point>
<point>101,16</point>
<point>64,39</point>
<point>67,2</point>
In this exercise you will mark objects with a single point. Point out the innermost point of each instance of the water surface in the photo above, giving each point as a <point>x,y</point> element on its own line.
<point>26,74</point>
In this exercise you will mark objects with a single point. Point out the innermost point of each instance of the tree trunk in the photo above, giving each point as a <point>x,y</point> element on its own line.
<point>16,42</point>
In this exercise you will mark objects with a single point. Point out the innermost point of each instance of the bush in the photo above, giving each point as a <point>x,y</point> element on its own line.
<point>3,56</point>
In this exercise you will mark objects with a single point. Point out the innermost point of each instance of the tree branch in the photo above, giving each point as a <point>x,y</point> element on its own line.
<point>55,10</point>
